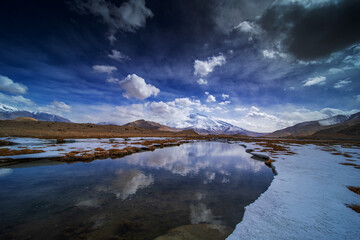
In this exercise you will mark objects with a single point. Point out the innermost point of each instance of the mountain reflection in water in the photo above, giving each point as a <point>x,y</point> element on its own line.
<point>140,196</point>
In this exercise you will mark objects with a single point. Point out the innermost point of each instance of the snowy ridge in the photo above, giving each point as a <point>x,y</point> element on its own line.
<point>209,125</point>
<point>334,120</point>
<point>8,113</point>
<point>6,108</point>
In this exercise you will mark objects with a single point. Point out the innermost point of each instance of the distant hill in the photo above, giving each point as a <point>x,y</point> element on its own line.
<point>150,125</point>
<point>24,119</point>
<point>330,127</point>
<point>9,113</point>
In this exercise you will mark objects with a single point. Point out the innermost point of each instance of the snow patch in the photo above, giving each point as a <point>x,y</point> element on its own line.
<point>306,200</point>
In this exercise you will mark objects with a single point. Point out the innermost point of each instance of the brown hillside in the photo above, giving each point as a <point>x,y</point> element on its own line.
<point>150,125</point>
<point>44,129</point>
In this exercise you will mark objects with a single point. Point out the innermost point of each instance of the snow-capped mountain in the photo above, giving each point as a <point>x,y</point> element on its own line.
<point>333,120</point>
<point>209,125</point>
<point>8,113</point>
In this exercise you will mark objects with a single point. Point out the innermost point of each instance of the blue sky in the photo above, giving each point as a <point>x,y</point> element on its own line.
<point>262,65</point>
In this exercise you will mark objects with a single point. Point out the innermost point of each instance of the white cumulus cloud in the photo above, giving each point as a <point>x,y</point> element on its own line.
<point>203,68</point>
<point>136,87</point>
<point>210,98</point>
<point>8,85</point>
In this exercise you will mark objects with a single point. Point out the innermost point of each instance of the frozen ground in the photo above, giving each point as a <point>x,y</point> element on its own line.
<point>306,200</point>
<point>58,150</point>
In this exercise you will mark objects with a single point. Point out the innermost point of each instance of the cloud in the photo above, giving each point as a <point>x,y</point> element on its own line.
<point>357,97</point>
<point>8,85</point>
<point>203,68</point>
<point>272,54</point>
<point>136,87</point>
<point>225,102</point>
<point>185,102</point>
<point>17,101</point>
<point>335,70</point>
<point>312,31</point>
<point>211,98</point>
<point>225,96</point>
<point>248,27</point>
<point>104,69</point>
<point>315,81</point>
<point>56,107</point>
<point>173,113</point>
<point>118,56</point>
<point>61,106</point>
<point>254,109</point>
<point>127,17</point>
<point>202,81</point>
<point>206,93</point>
<point>342,83</point>
<point>240,109</point>
<point>112,80</point>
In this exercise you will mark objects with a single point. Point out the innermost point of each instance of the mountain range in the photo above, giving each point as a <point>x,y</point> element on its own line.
<point>338,126</point>
<point>9,113</point>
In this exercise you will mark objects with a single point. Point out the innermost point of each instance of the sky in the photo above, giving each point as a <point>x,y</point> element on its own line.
<point>261,65</point>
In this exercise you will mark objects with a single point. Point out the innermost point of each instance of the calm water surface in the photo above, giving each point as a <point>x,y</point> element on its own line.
<point>140,196</point>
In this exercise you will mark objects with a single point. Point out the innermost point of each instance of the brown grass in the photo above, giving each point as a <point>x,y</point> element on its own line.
<point>100,153</point>
<point>354,189</point>
<point>8,152</point>
<point>347,164</point>
<point>275,148</point>
<point>350,160</point>
<point>268,162</point>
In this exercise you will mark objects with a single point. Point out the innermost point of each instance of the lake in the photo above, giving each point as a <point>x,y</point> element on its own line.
<point>193,188</point>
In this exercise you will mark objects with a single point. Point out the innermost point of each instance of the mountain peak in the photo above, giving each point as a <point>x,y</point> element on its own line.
<point>203,124</point>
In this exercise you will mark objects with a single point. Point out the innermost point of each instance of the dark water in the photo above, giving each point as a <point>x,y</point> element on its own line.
<point>140,196</point>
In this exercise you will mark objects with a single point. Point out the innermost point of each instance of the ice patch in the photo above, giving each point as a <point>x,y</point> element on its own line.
<point>306,200</point>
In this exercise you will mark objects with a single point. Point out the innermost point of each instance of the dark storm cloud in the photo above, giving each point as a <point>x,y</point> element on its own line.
<point>312,33</point>
<point>128,17</point>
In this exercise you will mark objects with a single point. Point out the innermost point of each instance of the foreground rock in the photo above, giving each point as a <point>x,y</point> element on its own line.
<point>260,155</point>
